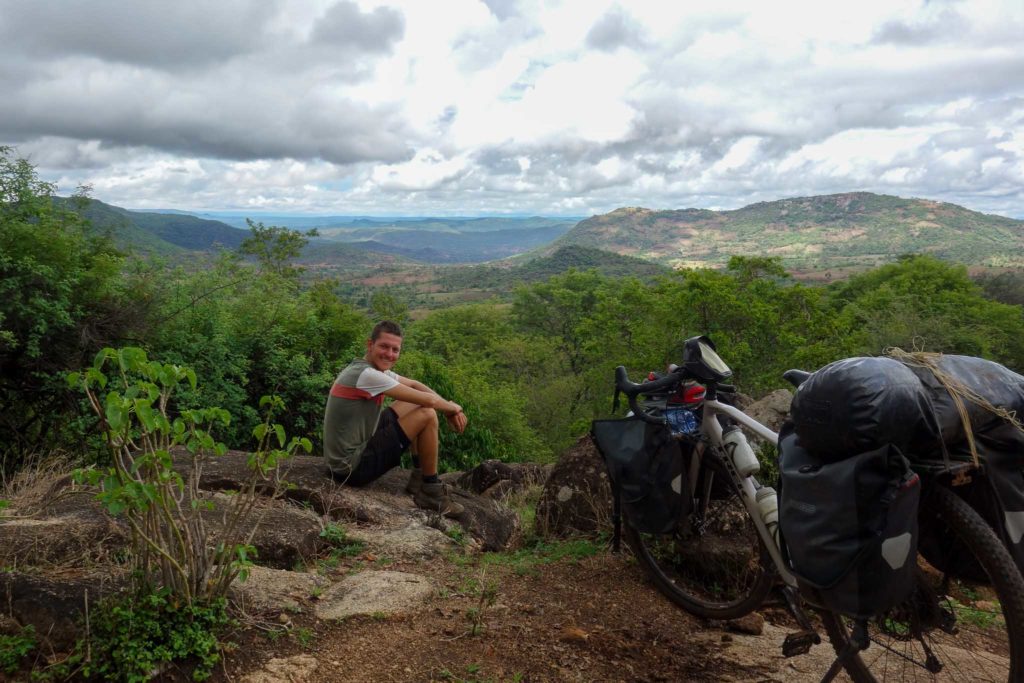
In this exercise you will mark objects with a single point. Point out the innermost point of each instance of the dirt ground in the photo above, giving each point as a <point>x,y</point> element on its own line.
<point>592,618</point>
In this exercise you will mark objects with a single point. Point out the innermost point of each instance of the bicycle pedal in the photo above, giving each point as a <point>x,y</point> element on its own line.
<point>799,643</point>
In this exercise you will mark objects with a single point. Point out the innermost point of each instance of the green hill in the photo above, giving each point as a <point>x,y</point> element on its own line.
<point>851,230</point>
<point>503,278</point>
<point>156,233</point>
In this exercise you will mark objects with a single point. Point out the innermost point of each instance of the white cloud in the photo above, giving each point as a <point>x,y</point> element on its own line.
<point>463,106</point>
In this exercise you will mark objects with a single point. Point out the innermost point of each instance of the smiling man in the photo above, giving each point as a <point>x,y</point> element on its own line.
<point>363,440</point>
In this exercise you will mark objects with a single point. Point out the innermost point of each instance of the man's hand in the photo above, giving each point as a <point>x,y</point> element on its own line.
<point>457,421</point>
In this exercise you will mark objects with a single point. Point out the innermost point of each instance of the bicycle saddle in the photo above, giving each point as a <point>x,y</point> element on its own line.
<point>795,377</point>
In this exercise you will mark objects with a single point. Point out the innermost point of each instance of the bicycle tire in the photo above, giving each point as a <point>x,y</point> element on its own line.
<point>982,650</point>
<point>723,572</point>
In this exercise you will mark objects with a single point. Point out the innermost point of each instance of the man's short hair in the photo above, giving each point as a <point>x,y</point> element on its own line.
<point>385,327</point>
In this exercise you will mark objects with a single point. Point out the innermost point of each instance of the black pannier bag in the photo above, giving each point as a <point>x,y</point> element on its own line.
<point>861,404</point>
<point>849,524</point>
<point>997,491</point>
<point>646,470</point>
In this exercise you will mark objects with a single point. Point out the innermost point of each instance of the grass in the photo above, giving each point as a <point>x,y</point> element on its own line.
<point>537,553</point>
<point>978,618</point>
<point>305,637</point>
<point>342,547</point>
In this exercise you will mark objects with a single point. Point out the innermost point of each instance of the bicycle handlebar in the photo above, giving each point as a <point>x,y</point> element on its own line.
<point>632,390</point>
<point>669,381</point>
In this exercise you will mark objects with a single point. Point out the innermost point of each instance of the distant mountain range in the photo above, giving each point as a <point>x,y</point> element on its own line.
<point>428,240</point>
<point>810,234</point>
<point>852,230</point>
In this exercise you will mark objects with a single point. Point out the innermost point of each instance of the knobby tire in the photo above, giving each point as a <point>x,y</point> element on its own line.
<point>721,572</point>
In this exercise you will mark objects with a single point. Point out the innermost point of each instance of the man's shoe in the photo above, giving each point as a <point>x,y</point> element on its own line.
<point>415,482</point>
<point>434,497</point>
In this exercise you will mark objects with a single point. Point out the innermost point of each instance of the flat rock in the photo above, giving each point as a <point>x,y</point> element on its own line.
<point>284,535</point>
<point>80,538</point>
<point>374,592</point>
<point>276,589</point>
<point>412,541</point>
<point>497,479</point>
<point>284,670</point>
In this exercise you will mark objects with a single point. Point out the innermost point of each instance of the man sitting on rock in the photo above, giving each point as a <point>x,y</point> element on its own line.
<point>363,440</point>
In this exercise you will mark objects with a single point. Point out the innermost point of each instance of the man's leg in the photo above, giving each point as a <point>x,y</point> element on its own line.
<point>420,425</point>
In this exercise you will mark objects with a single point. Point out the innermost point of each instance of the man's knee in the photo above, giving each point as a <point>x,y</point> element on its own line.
<point>417,420</point>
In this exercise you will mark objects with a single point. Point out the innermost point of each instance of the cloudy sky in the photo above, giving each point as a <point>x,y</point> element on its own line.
<point>469,107</point>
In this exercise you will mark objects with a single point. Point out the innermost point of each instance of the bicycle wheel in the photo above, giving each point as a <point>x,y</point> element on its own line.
<point>713,564</point>
<point>950,629</point>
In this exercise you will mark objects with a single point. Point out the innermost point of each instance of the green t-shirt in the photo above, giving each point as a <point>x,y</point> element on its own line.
<point>353,410</point>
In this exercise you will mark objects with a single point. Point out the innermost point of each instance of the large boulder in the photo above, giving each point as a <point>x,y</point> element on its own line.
<point>498,480</point>
<point>77,532</point>
<point>577,494</point>
<point>75,527</point>
<point>771,410</point>
<point>54,604</point>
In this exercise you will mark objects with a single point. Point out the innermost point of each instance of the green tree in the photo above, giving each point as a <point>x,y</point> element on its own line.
<point>275,247</point>
<point>62,297</point>
<point>386,306</point>
<point>923,303</point>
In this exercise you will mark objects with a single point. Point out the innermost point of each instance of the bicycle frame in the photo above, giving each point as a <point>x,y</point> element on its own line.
<point>747,486</point>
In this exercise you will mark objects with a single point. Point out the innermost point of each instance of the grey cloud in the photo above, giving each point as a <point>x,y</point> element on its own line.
<point>502,9</point>
<point>208,119</point>
<point>613,30</point>
<point>66,153</point>
<point>345,25</point>
<point>946,25</point>
<point>163,35</point>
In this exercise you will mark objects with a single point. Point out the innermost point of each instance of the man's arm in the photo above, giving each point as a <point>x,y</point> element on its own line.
<point>419,386</point>
<point>411,391</point>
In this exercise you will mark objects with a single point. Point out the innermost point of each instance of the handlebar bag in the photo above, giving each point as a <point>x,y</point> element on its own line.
<point>645,466</point>
<point>850,525</point>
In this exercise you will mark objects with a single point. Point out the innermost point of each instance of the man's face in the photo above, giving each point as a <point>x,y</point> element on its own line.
<point>383,352</point>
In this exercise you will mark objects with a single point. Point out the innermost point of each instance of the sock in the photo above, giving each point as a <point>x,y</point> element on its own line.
<point>415,462</point>
<point>430,479</point>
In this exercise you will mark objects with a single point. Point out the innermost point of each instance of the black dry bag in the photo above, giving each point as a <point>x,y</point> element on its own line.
<point>646,469</point>
<point>850,525</point>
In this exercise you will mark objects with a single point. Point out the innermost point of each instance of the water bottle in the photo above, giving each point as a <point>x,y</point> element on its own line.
<point>682,420</point>
<point>768,505</point>
<point>742,456</point>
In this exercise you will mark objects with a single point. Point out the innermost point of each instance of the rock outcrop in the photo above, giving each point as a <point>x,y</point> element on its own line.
<point>577,495</point>
<point>48,546</point>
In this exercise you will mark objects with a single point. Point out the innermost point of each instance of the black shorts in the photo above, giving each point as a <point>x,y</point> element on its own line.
<point>383,451</point>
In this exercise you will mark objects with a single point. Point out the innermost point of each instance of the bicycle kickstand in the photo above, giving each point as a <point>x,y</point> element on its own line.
<point>857,642</point>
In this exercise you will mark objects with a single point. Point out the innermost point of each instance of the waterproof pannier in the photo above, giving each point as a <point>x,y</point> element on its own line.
<point>849,524</point>
<point>646,470</point>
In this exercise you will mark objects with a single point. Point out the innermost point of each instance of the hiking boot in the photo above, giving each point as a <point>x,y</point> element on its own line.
<point>435,497</point>
<point>415,481</point>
